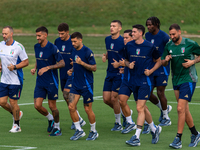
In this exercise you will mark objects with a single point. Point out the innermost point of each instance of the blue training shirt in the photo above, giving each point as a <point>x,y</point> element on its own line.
<point>143,55</point>
<point>115,49</point>
<point>46,56</point>
<point>159,40</point>
<point>65,48</point>
<point>82,78</point>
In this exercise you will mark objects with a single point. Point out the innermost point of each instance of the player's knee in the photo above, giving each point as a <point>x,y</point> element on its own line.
<point>140,108</point>
<point>3,103</point>
<point>106,100</point>
<point>122,102</point>
<point>71,107</point>
<point>180,109</point>
<point>37,106</point>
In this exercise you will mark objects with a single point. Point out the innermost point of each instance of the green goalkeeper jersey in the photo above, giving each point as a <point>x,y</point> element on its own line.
<point>185,50</point>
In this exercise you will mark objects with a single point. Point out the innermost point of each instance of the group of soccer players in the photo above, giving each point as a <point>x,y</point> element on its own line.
<point>135,65</point>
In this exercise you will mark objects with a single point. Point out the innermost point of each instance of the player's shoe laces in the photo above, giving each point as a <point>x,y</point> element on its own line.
<point>146,129</point>
<point>55,132</point>
<point>92,136</point>
<point>134,141</point>
<point>176,143</point>
<point>117,127</point>
<point>165,122</point>
<point>194,140</point>
<point>169,108</point>
<point>15,129</point>
<point>155,136</point>
<point>78,134</point>
<point>82,123</point>
<point>129,127</point>
<point>50,126</point>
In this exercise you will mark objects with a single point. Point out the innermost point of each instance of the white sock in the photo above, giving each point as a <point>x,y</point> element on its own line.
<point>78,126</point>
<point>152,126</point>
<point>49,116</point>
<point>159,105</point>
<point>57,125</point>
<point>129,120</point>
<point>93,127</point>
<point>121,111</point>
<point>165,114</point>
<point>137,133</point>
<point>118,118</point>
<point>80,118</point>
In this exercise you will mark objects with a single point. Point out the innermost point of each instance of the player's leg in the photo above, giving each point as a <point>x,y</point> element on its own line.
<point>107,91</point>
<point>4,92</point>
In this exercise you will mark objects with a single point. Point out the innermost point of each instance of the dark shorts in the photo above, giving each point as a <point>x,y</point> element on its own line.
<point>186,90</point>
<point>142,92</point>
<point>66,83</point>
<point>12,91</point>
<point>125,89</point>
<point>112,83</point>
<point>42,91</point>
<point>160,80</point>
<point>86,93</point>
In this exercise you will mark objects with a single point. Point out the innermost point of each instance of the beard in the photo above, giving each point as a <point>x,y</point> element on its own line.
<point>176,39</point>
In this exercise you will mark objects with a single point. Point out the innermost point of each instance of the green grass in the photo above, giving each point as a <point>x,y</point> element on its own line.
<point>94,16</point>
<point>34,124</point>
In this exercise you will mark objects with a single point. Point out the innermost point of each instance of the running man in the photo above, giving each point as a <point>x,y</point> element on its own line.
<point>13,58</point>
<point>180,51</point>
<point>48,60</point>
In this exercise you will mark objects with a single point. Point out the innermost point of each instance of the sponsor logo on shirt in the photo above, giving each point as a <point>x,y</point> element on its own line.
<point>40,55</point>
<point>170,51</point>
<point>137,51</point>
<point>111,45</point>
<point>183,50</point>
<point>63,48</point>
<point>186,96</point>
<point>152,41</point>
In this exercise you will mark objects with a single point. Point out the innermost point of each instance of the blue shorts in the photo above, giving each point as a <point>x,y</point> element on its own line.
<point>160,80</point>
<point>142,92</point>
<point>66,84</point>
<point>12,91</point>
<point>125,89</point>
<point>86,93</point>
<point>112,83</point>
<point>186,90</point>
<point>42,91</point>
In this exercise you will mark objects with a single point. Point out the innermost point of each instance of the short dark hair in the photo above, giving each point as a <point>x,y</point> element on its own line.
<point>118,21</point>
<point>155,21</point>
<point>63,27</point>
<point>9,27</point>
<point>175,26</point>
<point>42,29</point>
<point>139,27</point>
<point>128,31</point>
<point>77,35</point>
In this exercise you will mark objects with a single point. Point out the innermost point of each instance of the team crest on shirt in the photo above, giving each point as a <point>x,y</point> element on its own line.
<point>152,41</point>
<point>137,51</point>
<point>63,48</point>
<point>40,55</point>
<point>12,51</point>
<point>183,50</point>
<point>76,57</point>
<point>111,45</point>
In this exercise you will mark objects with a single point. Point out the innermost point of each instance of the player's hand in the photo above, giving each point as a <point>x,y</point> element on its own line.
<point>78,60</point>
<point>147,72</point>
<point>131,65</point>
<point>69,72</point>
<point>188,63</point>
<point>104,57</point>
<point>121,70</point>
<point>115,63</point>
<point>122,62</point>
<point>33,71</point>
<point>168,57</point>
<point>10,67</point>
<point>71,63</point>
<point>43,70</point>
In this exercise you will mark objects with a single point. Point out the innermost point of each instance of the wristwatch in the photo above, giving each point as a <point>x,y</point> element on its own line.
<point>15,68</point>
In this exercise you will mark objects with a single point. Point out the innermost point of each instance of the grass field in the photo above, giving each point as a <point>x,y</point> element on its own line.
<point>34,125</point>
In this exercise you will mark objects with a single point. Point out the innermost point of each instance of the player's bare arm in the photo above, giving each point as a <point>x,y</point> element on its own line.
<point>22,64</point>
<point>129,65</point>
<point>115,64</point>
<point>87,66</point>
<point>105,57</point>
<point>122,62</point>
<point>158,63</point>
<point>189,62</point>
<point>34,69</point>
<point>166,60</point>
<point>70,71</point>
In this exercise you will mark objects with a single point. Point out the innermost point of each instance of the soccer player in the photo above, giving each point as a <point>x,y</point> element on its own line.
<point>159,38</point>
<point>115,49</point>
<point>64,44</point>
<point>13,59</point>
<point>82,85</point>
<point>139,58</point>
<point>48,60</point>
<point>180,51</point>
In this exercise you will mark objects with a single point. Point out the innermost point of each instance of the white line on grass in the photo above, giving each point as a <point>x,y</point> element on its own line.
<point>18,147</point>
